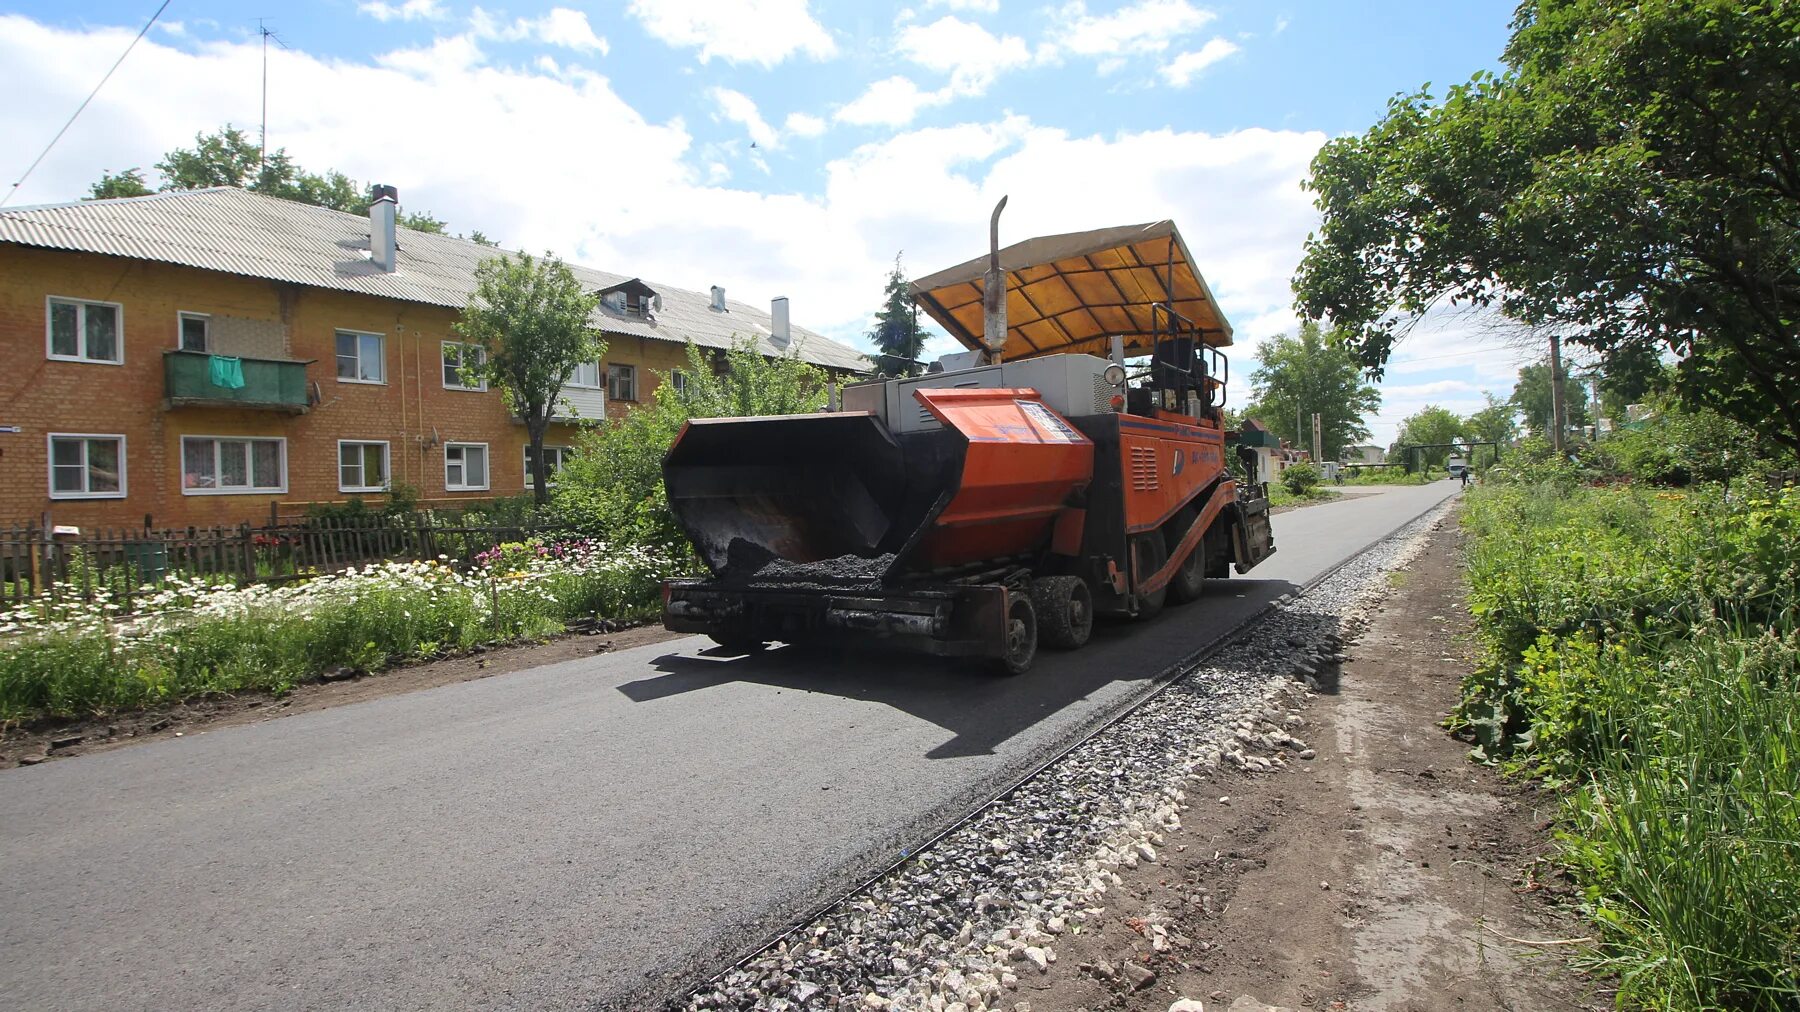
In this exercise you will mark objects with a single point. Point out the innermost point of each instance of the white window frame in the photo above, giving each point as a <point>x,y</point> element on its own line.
<point>444,361</point>
<point>249,466</point>
<point>678,380</point>
<point>599,383</point>
<point>81,329</point>
<point>50,439</point>
<point>487,468</point>
<point>562,452</point>
<point>630,369</point>
<point>181,320</point>
<point>387,465</point>
<point>360,334</point>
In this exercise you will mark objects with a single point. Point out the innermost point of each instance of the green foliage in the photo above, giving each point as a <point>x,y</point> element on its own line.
<point>1300,479</point>
<point>1629,178</point>
<point>129,183</point>
<point>1643,648</point>
<point>533,322</point>
<point>613,486</point>
<point>1678,447</point>
<point>1298,376</point>
<point>897,333</point>
<point>1431,424</point>
<point>1532,397</point>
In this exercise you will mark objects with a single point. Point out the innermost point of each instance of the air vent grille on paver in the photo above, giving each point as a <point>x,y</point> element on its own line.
<point>1143,469</point>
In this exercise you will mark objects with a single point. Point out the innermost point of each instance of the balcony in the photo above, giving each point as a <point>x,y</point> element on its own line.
<point>269,384</point>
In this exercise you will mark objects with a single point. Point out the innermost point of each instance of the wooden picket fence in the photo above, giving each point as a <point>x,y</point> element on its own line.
<point>36,562</point>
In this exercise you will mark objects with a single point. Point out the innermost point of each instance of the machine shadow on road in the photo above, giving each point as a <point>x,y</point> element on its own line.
<point>981,709</point>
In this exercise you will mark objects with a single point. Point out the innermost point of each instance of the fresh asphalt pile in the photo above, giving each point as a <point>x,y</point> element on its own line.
<point>954,927</point>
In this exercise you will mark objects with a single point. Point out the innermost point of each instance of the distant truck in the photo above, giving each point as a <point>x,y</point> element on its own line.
<point>1457,466</point>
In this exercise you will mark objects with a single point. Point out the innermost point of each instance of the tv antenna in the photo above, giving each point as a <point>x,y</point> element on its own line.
<point>267,33</point>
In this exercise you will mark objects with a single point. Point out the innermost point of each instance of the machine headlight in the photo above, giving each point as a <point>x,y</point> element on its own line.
<point>1114,375</point>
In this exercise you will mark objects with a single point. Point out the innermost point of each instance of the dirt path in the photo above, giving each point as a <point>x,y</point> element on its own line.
<point>47,740</point>
<point>1383,871</point>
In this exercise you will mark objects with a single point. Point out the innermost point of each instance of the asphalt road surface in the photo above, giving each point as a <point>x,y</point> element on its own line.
<point>559,837</point>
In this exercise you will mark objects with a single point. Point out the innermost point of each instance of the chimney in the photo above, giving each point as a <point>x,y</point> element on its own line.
<point>779,334</point>
<point>382,248</point>
<point>718,299</point>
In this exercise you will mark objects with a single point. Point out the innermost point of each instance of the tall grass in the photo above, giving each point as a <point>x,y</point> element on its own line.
<point>1640,649</point>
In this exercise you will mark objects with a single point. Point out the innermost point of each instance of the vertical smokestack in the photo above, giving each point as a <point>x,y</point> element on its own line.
<point>778,322</point>
<point>718,299</point>
<point>382,240</point>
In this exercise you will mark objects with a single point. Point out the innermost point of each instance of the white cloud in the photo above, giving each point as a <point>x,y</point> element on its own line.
<point>530,183</point>
<point>969,53</point>
<point>1148,26</point>
<point>407,10</point>
<point>1184,68</point>
<point>802,124</point>
<point>892,102</point>
<point>764,32</point>
<point>562,26</point>
<point>739,108</point>
<point>978,6</point>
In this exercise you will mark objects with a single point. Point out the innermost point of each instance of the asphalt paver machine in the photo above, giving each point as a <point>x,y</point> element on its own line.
<point>1073,463</point>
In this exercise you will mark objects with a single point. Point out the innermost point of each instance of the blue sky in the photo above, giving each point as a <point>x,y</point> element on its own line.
<point>620,135</point>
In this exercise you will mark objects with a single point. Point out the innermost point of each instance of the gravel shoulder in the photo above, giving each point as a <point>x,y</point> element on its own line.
<point>43,741</point>
<point>1380,871</point>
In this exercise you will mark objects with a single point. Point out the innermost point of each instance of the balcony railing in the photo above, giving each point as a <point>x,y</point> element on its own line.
<point>269,384</point>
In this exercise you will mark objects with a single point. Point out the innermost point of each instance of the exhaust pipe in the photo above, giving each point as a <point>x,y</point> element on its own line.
<point>993,293</point>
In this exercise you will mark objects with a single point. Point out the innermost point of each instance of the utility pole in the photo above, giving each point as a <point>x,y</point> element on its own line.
<point>1318,441</point>
<point>1557,408</point>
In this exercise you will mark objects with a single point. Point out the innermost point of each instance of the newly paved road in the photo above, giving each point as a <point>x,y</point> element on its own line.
<point>552,838</point>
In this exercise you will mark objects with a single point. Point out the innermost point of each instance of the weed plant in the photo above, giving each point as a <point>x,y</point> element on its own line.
<point>1640,653</point>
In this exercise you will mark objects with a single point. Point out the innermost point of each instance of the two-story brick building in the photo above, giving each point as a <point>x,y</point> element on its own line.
<point>195,357</point>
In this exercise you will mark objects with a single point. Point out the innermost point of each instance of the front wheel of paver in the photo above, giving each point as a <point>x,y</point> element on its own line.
<point>1065,610</point>
<point>1021,634</point>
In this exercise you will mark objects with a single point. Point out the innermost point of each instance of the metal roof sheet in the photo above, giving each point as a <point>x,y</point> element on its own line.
<point>238,232</point>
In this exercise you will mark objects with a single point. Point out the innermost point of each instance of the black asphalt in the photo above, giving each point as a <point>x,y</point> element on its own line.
<point>552,838</point>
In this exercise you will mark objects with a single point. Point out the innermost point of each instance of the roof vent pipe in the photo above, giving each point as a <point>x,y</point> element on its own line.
<point>779,333</point>
<point>382,239</point>
<point>718,299</point>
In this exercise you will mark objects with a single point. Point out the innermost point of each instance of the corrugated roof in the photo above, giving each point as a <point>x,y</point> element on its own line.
<point>238,232</point>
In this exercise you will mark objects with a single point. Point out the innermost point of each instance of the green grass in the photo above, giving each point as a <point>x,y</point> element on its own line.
<point>1280,496</point>
<point>1640,655</point>
<point>1386,476</point>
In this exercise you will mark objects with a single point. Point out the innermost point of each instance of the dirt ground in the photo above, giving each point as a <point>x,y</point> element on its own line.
<point>45,741</point>
<point>1387,873</point>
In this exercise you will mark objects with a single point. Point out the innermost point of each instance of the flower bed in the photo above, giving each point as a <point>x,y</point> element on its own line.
<point>193,637</point>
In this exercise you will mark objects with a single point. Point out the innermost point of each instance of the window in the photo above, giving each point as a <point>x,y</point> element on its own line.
<point>194,328</point>
<point>222,465</point>
<point>679,380</point>
<point>621,382</point>
<point>586,374</point>
<point>362,466</point>
<point>554,456</point>
<point>465,467</point>
<point>457,355</point>
<point>361,358</point>
<point>87,466</point>
<point>78,331</point>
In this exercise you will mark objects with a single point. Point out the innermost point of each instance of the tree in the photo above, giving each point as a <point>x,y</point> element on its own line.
<point>1631,179</point>
<point>897,334</point>
<point>1431,424</point>
<point>532,322</point>
<point>1531,396</point>
<point>230,158</point>
<point>1497,423</point>
<point>1298,376</point>
<point>129,183</point>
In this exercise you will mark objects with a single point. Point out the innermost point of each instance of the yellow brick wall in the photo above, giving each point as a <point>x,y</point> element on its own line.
<point>409,411</point>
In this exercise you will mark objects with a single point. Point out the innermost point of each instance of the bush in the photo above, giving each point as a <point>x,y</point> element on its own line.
<point>1300,479</point>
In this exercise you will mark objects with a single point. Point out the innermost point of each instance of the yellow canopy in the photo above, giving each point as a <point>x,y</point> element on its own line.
<point>1073,292</point>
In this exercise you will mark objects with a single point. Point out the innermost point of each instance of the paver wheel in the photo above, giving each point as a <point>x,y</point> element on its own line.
<point>1189,581</point>
<point>1021,634</point>
<point>738,641</point>
<point>1065,610</point>
<point>1148,556</point>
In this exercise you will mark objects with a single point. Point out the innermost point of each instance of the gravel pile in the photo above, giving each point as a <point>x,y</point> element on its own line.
<point>751,563</point>
<point>955,927</point>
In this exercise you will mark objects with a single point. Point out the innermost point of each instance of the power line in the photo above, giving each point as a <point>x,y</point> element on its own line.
<point>84,104</point>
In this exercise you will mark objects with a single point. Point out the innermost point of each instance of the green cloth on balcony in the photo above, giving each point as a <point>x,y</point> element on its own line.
<point>227,372</point>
